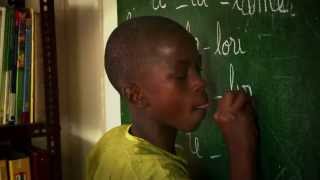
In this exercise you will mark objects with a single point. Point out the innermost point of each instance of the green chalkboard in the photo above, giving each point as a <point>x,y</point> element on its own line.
<point>270,48</point>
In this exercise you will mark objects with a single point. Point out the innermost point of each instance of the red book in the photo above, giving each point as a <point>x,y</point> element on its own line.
<point>39,164</point>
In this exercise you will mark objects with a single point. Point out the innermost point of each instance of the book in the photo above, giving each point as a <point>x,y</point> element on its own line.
<point>7,56</point>
<point>12,64</point>
<point>27,67</point>
<point>19,169</point>
<point>35,117</point>
<point>4,3</point>
<point>8,59</point>
<point>18,86</point>
<point>2,35</point>
<point>20,62</point>
<point>5,103</point>
<point>21,69</point>
<point>3,170</point>
<point>2,42</point>
<point>40,164</point>
<point>33,55</point>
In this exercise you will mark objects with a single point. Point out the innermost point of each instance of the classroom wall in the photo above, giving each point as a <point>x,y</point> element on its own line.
<point>88,104</point>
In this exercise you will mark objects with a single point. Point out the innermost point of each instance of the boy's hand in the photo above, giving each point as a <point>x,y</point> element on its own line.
<point>236,120</point>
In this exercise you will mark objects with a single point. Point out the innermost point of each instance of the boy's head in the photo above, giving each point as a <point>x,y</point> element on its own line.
<point>154,63</point>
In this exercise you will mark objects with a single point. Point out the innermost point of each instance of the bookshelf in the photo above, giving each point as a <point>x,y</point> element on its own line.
<point>21,135</point>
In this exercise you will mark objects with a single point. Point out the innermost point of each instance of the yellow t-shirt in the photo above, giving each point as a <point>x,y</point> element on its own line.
<point>120,156</point>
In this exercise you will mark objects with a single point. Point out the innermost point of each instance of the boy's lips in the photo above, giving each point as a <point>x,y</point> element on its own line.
<point>204,106</point>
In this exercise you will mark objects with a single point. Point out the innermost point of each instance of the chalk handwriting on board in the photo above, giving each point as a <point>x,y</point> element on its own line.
<point>235,86</point>
<point>178,146</point>
<point>194,3</point>
<point>129,14</point>
<point>281,173</point>
<point>224,48</point>
<point>246,87</point>
<point>215,156</point>
<point>199,3</point>
<point>188,28</point>
<point>252,7</point>
<point>156,4</point>
<point>182,6</point>
<point>194,147</point>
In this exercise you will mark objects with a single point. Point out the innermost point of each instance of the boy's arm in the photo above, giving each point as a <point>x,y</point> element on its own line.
<point>235,118</point>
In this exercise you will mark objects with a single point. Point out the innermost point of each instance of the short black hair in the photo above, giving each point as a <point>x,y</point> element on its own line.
<point>126,44</point>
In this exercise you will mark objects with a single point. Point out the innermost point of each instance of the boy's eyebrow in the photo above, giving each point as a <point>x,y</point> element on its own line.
<point>188,61</point>
<point>181,63</point>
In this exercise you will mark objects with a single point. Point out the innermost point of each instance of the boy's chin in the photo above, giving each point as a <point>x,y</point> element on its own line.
<point>192,127</point>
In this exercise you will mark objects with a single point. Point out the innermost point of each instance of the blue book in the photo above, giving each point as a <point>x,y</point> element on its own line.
<point>20,63</point>
<point>27,68</point>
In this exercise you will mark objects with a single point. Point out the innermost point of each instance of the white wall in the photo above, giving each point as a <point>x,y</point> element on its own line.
<point>88,105</point>
<point>112,97</point>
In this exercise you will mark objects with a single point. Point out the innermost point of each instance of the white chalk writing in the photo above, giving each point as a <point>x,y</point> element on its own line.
<point>178,146</point>
<point>232,85</point>
<point>195,146</point>
<point>215,156</point>
<point>182,6</point>
<point>224,3</point>
<point>129,14</point>
<point>188,28</point>
<point>200,3</point>
<point>194,3</point>
<point>225,47</point>
<point>252,7</point>
<point>158,4</point>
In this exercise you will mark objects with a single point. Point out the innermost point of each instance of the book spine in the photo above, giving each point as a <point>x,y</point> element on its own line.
<point>5,85</point>
<point>10,63</point>
<point>13,67</point>
<point>40,169</point>
<point>27,69</point>
<point>4,45</point>
<point>3,170</point>
<point>20,64</point>
<point>32,66</point>
<point>20,169</point>
<point>6,96</point>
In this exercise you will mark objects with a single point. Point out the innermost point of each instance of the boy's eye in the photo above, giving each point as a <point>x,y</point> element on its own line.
<point>181,76</point>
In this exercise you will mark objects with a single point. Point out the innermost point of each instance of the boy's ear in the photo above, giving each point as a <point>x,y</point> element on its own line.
<point>134,95</point>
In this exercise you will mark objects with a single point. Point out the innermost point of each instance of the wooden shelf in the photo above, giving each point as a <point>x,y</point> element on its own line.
<point>21,135</point>
<point>23,130</point>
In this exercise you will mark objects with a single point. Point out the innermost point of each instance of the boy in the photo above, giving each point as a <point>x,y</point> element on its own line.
<point>154,63</point>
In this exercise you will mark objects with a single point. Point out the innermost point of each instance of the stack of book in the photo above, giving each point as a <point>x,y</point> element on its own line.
<point>21,67</point>
<point>23,167</point>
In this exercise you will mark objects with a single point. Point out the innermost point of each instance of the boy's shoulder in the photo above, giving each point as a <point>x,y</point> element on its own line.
<point>112,143</point>
<point>119,150</point>
<point>114,134</point>
<point>107,153</point>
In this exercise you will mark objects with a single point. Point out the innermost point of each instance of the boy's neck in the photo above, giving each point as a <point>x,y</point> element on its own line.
<point>158,135</point>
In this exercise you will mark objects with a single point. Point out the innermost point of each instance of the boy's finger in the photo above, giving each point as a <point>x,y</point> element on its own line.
<point>228,98</point>
<point>241,100</point>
